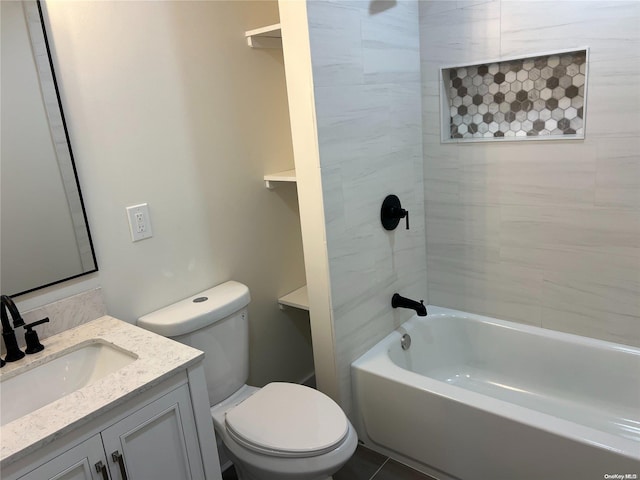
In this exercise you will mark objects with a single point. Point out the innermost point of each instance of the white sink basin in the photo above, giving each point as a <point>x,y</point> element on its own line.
<point>43,384</point>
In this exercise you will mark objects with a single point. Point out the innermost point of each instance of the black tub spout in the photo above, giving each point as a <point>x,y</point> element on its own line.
<point>399,301</point>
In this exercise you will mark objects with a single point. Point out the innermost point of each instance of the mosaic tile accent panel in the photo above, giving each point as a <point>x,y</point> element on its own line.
<point>530,97</point>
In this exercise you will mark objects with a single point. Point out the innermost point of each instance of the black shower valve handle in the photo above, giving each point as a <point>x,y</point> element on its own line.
<point>391,213</point>
<point>401,213</point>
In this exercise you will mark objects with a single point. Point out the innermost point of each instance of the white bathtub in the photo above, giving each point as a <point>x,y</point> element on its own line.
<point>479,398</point>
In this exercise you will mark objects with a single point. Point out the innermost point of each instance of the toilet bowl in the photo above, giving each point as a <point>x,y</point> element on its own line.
<point>282,431</point>
<point>278,453</point>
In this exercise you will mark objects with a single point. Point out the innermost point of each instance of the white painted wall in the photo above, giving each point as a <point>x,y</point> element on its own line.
<point>544,233</point>
<point>366,79</point>
<point>167,105</point>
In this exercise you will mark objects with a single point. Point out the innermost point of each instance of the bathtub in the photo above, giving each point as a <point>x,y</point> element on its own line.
<point>478,398</point>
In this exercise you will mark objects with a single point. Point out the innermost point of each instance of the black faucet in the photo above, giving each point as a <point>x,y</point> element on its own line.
<point>8,335</point>
<point>399,301</point>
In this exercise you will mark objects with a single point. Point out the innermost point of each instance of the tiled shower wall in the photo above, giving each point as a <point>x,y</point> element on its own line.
<point>366,73</point>
<point>544,233</point>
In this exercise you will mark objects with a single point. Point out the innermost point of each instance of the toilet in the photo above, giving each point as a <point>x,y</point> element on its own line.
<point>277,432</point>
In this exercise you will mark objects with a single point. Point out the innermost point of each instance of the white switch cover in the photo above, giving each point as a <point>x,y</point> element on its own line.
<point>139,222</point>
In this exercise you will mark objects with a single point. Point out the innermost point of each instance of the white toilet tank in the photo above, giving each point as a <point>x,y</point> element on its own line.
<point>216,322</point>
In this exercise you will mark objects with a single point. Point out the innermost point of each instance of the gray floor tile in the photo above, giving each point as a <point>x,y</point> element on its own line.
<point>364,465</point>
<point>393,470</point>
<point>361,466</point>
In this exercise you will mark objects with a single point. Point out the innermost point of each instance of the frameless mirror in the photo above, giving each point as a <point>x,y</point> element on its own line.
<point>44,234</point>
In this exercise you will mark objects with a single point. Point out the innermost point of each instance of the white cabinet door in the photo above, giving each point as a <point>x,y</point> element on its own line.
<point>159,441</point>
<point>82,462</point>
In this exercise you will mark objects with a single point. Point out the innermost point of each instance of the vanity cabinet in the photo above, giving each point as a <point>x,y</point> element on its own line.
<point>146,420</point>
<point>77,463</point>
<point>156,440</point>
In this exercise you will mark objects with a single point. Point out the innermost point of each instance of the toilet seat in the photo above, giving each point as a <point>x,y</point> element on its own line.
<point>287,420</point>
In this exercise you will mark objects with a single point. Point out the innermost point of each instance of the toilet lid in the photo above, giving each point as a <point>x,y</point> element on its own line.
<point>289,420</point>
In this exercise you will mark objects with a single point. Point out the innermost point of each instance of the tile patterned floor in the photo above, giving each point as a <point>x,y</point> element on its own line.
<point>366,465</point>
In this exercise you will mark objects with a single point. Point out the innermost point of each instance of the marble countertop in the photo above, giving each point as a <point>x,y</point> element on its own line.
<point>158,359</point>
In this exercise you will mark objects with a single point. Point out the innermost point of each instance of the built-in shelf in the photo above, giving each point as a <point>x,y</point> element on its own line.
<point>271,37</point>
<point>265,37</point>
<point>272,180</point>
<point>298,299</point>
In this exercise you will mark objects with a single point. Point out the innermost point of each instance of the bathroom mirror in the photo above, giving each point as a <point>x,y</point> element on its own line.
<point>44,234</point>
